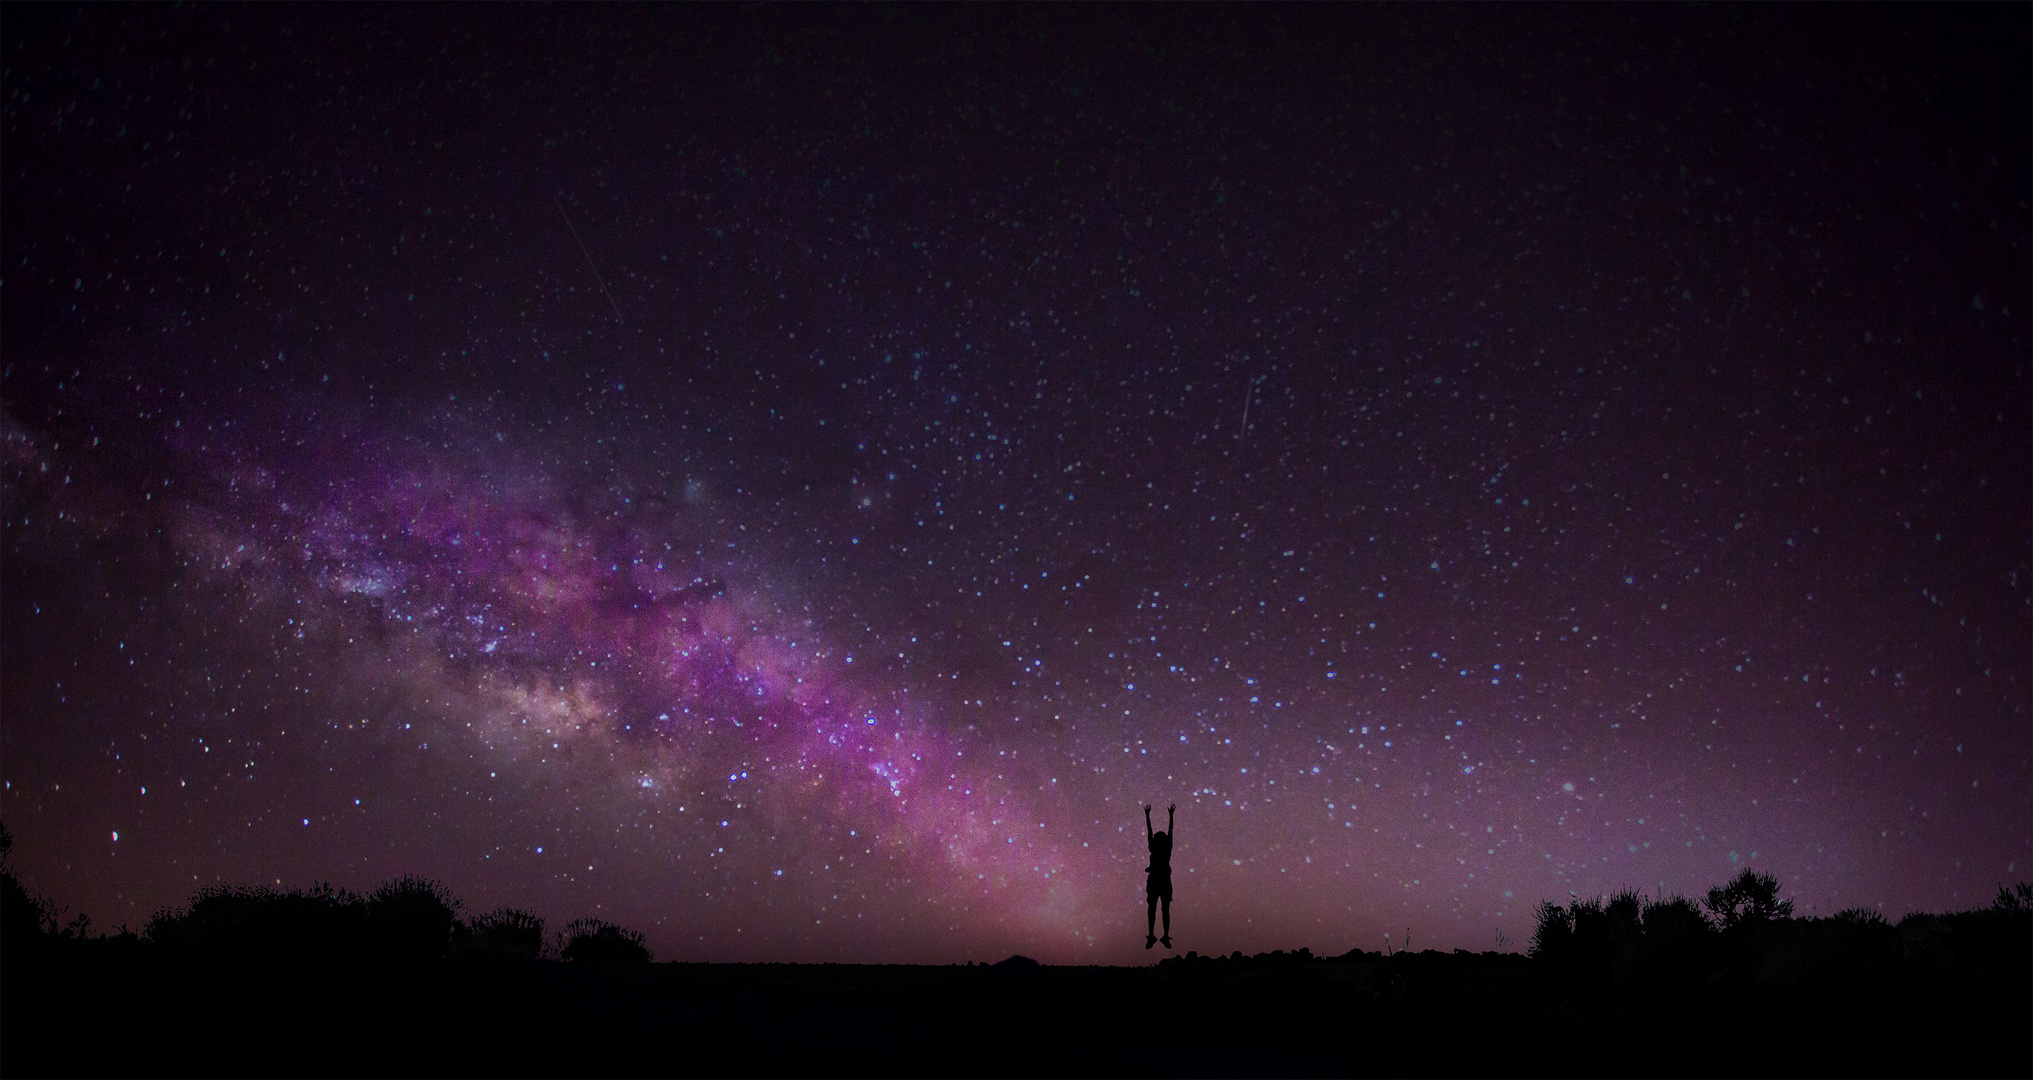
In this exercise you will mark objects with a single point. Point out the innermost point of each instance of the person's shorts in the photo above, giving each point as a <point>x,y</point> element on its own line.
<point>1158,888</point>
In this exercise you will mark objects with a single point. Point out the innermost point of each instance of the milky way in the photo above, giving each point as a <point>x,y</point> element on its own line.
<point>799,483</point>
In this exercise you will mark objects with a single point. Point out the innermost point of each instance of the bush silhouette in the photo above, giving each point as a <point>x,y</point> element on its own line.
<point>1553,940</point>
<point>1749,897</point>
<point>502,934</point>
<point>28,923</point>
<point>592,941</point>
<point>1743,936</point>
<point>21,916</point>
<point>1675,948</point>
<point>1989,942</point>
<point>1624,942</point>
<point>1791,953</point>
<point>258,924</point>
<point>1861,916</point>
<point>406,919</point>
<point>413,917</point>
<point>1588,942</point>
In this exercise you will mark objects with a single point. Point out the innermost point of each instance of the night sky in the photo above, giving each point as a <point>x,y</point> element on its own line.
<point>797,481</point>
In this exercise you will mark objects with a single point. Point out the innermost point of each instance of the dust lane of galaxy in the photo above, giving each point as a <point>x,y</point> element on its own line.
<point>798,482</point>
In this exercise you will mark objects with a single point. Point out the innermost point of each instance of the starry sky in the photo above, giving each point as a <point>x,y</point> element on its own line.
<point>798,481</point>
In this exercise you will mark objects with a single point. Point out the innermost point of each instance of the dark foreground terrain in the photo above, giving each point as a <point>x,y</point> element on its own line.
<point>114,1011</point>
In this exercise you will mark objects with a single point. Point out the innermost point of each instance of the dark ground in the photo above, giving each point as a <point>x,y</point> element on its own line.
<point>1423,1014</point>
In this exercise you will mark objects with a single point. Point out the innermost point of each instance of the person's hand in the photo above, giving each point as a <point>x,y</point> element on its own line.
<point>1147,808</point>
<point>1172,809</point>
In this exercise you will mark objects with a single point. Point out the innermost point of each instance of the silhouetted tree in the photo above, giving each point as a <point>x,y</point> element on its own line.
<point>595,941</point>
<point>1749,897</point>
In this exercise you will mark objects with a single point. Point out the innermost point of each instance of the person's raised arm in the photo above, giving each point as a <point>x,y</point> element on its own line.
<point>1147,821</point>
<point>1171,827</point>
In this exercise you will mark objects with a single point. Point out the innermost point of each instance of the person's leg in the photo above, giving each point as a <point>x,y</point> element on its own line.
<point>1151,920</point>
<point>1168,921</point>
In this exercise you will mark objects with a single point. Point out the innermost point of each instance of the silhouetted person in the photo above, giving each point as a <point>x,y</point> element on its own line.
<point>1158,877</point>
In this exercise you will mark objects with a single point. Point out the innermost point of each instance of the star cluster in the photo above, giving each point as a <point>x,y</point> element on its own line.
<point>800,481</point>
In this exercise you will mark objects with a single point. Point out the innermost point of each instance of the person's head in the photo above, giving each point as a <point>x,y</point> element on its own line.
<point>1161,838</point>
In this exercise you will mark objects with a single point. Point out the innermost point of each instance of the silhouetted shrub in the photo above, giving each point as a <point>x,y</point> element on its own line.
<point>1675,948</point>
<point>1624,910</point>
<point>407,919</point>
<point>258,924</point>
<point>1749,897</point>
<point>21,916</point>
<point>1624,942</point>
<point>1787,953</point>
<point>1862,915</point>
<point>1622,928</point>
<point>1553,939</point>
<point>1992,942</point>
<point>1747,939</point>
<point>1599,931</point>
<point>29,923</point>
<point>414,917</point>
<point>501,934</point>
<point>592,941</point>
<point>1927,941</point>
